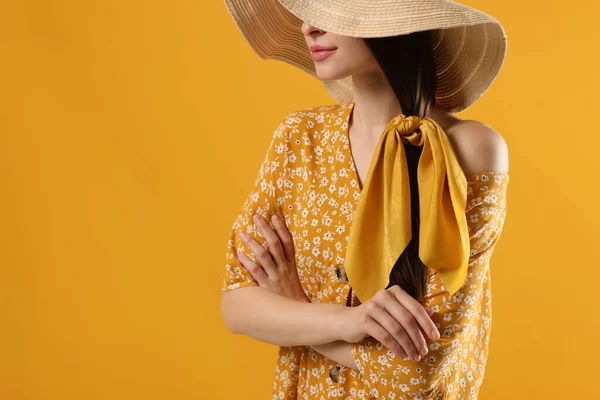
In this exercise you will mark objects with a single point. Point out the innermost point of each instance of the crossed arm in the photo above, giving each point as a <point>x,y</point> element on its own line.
<point>267,316</point>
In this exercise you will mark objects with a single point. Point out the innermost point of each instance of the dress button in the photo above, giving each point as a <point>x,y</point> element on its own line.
<point>334,373</point>
<point>340,271</point>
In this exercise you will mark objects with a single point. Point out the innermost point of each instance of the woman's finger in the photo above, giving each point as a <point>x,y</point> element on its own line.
<point>255,270</point>
<point>403,316</point>
<point>263,255</point>
<point>417,310</point>
<point>393,339</point>
<point>271,238</point>
<point>286,238</point>
<point>395,328</point>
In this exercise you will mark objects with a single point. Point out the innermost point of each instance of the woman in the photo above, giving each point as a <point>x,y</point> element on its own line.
<point>366,254</point>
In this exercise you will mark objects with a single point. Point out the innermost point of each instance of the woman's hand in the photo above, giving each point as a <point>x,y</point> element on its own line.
<point>394,318</point>
<point>280,274</point>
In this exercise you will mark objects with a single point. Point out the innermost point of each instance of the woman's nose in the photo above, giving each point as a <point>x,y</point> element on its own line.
<point>307,28</point>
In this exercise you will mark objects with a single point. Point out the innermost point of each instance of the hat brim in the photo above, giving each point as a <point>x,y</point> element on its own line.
<point>469,46</point>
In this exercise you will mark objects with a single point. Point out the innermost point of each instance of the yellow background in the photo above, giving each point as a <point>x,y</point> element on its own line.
<point>131,132</point>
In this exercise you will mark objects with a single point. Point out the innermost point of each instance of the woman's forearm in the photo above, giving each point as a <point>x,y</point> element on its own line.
<point>312,326</point>
<point>338,351</point>
<point>266,316</point>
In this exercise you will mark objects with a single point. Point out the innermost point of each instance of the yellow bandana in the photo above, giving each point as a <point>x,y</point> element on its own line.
<point>381,227</point>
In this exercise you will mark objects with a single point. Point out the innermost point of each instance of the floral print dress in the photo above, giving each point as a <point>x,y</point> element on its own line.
<point>308,177</point>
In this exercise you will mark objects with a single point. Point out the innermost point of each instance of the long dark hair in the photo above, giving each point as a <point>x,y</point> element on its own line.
<point>408,64</point>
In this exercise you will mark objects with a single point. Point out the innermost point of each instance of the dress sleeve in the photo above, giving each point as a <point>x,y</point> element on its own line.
<point>463,319</point>
<point>267,197</point>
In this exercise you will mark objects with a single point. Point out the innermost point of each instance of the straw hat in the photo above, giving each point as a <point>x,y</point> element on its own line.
<point>469,46</point>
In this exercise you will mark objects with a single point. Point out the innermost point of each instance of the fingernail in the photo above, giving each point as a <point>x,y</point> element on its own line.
<point>275,218</point>
<point>423,351</point>
<point>435,334</point>
<point>416,358</point>
<point>242,235</point>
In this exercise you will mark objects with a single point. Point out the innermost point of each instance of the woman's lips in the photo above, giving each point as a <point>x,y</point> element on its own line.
<point>321,54</point>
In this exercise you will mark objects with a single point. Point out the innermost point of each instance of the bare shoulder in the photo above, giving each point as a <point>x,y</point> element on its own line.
<point>478,147</point>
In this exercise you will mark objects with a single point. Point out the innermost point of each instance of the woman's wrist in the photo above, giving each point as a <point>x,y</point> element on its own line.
<point>334,325</point>
<point>301,297</point>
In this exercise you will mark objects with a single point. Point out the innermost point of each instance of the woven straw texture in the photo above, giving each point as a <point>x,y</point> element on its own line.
<point>469,46</point>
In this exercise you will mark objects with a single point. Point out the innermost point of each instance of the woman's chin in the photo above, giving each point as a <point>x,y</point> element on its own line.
<point>329,75</point>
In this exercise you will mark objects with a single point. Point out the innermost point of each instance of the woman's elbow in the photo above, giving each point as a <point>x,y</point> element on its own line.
<point>232,310</point>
